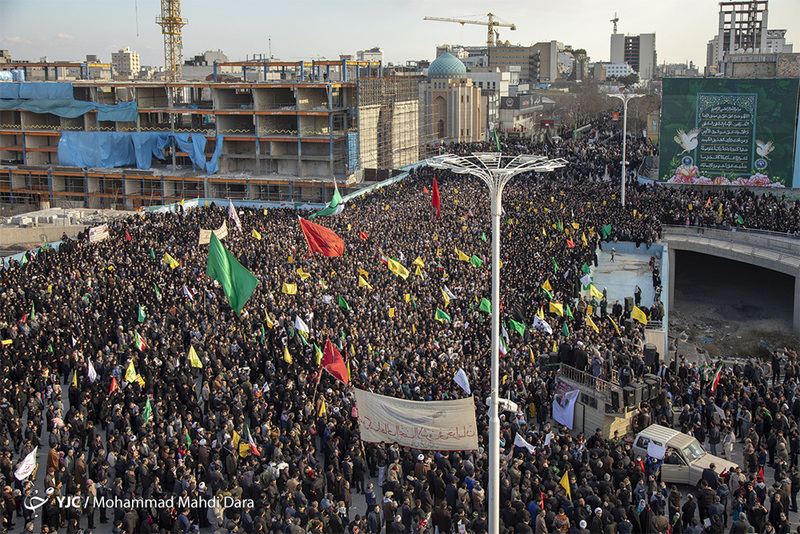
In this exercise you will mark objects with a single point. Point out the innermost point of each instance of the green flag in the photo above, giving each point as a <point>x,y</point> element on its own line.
<point>484,237</point>
<point>585,268</point>
<point>343,303</point>
<point>33,311</point>
<point>519,327</point>
<point>496,140</point>
<point>442,316</point>
<point>568,312</point>
<point>565,330</point>
<point>560,226</point>
<point>549,295</point>
<point>555,265</point>
<point>147,413</point>
<point>333,207</point>
<point>152,253</point>
<point>158,293</point>
<point>740,220</point>
<point>24,259</point>
<point>263,335</point>
<point>237,282</point>
<point>605,231</point>
<point>485,306</point>
<point>142,314</point>
<point>476,261</point>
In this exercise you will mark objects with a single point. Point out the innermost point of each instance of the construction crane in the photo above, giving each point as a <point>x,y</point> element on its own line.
<point>492,23</point>
<point>615,20</point>
<point>171,24</point>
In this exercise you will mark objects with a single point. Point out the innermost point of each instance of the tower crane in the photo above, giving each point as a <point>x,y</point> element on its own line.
<point>491,24</point>
<point>615,20</point>
<point>171,23</point>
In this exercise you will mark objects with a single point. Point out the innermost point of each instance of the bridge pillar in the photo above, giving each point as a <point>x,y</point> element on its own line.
<point>672,268</point>
<point>796,318</point>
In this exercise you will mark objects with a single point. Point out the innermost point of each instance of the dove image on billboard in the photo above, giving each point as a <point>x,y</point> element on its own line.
<point>730,131</point>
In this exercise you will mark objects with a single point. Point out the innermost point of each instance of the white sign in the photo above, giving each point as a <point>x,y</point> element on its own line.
<point>98,233</point>
<point>27,465</point>
<point>432,425</point>
<point>221,233</point>
<point>519,441</point>
<point>656,451</point>
<point>564,408</point>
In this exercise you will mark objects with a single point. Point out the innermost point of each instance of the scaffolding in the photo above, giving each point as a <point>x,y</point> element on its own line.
<point>389,123</point>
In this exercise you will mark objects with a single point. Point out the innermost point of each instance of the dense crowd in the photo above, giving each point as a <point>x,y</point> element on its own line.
<point>97,373</point>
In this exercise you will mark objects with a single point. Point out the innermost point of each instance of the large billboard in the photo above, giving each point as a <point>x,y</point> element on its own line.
<point>729,131</point>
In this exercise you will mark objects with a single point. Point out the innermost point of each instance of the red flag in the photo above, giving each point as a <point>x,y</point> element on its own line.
<point>570,244</point>
<point>333,363</point>
<point>761,473</point>
<point>363,235</point>
<point>321,239</point>
<point>114,386</point>
<point>425,190</point>
<point>716,379</point>
<point>127,235</point>
<point>435,200</point>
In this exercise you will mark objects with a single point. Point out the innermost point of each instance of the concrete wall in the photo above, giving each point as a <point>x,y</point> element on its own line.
<point>16,236</point>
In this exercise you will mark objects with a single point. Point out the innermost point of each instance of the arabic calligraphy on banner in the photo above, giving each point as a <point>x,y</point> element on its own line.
<point>433,425</point>
<point>727,124</point>
<point>221,233</point>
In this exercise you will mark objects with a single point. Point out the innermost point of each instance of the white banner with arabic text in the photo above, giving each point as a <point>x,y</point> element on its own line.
<point>221,232</point>
<point>432,425</point>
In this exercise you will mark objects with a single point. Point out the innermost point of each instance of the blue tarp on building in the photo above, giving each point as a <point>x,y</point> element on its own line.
<point>37,90</point>
<point>70,109</point>
<point>121,149</point>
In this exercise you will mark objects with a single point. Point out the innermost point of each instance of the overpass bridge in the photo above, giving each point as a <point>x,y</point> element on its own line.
<point>770,250</point>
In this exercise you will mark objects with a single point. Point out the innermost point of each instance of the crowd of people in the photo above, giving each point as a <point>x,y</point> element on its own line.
<point>99,369</point>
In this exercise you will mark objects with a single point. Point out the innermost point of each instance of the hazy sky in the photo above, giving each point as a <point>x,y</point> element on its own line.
<point>66,30</point>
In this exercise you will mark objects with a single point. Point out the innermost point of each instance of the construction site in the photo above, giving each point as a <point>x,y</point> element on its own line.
<point>265,130</point>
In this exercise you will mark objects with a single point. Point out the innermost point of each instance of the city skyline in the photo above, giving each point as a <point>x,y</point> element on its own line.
<point>31,29</point>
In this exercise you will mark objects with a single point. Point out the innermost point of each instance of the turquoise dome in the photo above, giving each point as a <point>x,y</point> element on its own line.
<point>447,66</point>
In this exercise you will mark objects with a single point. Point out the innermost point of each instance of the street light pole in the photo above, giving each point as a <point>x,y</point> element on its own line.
<point>495,170</point>
<point>625,97</point>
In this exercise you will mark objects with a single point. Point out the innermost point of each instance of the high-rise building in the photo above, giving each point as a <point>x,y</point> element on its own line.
<point>373,54</point>
<point>538,63</point>
<point>638,51</point>
<point>126,62</point>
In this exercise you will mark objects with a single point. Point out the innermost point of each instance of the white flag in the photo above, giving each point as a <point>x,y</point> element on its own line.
<point>519,441</point>
<point>92,372</point>
<point>541,324</point>
<point>301,325</point>
<point>586,280</point>
<point>186,292</point>
<point>505,332</point>
<point>449,293</point>
<point>74,341</point>
<point>462,380</point>
<point>233,215</point>
<point>27,465</point>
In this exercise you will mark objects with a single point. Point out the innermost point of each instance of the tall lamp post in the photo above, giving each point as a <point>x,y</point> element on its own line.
<point>495,170</point>
<point>625,97</point>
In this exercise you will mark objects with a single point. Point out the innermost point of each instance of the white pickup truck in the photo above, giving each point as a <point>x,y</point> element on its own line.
<point>685,458</point>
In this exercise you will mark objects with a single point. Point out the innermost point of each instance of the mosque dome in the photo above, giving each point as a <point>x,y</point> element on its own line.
<point>447,66</point>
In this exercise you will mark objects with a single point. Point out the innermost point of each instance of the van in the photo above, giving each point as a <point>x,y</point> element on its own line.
<point>684,459</point>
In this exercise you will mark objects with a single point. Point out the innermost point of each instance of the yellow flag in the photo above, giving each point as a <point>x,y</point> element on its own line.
<point>50,289</point>
<point>349,227</point>
<point>565,484</point>
<point>236,438</point>
<point>302,273</point>
<point>397,269</point>
<point>130,373</point>
<point>547,285</point>
<point>290,260</point>
<point>595,292</point>
<point>533,360</point>
<point>193,359</point>
<point>461,255</point>
<point>438,252</point>
<point>322,408</point>
<point>290,289</point>
<point>286,356</point>
<point>255,234</point>
<point>413,329</point>
<point>419,262</point>
<point>591,323</point>
<point>363,283</point>
<point>501,264</point>
<point>576,225</point>
<point>7,342</point>
<point>182,202</point>
<point>615,324</point>
<point>386,208</point>
<point>269,322</point>
<point>639,315</point>
<point>391,312</point>
<point>446,299</point>
<point>590,310</point>
<point>75,379</point>
<point>265,211</point>
<point>362,271</point>
<point>418,272</point>
<point>540,313</point>
<point>583,240</point>
<point>408,298</point>
<point>557,308</point>
<point>169,260</point>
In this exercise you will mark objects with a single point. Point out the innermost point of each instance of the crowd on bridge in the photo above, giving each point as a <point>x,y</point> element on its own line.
<point>125,366</point>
